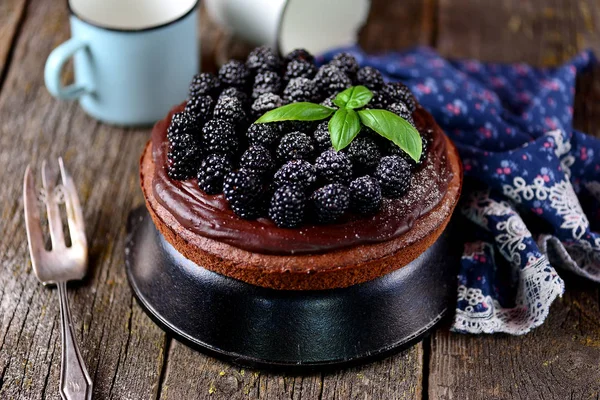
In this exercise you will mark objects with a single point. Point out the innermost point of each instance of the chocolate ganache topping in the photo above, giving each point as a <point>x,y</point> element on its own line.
<point>210,216</point>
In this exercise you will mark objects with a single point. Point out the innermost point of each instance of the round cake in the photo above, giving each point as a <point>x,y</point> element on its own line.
<point>355,220</point>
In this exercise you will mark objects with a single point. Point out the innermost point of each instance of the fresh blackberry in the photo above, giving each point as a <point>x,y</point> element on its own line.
<point>401,110</point>
<point>257,159</point>
<point>390,148</point>
<point>299,69</point>
<point>230,109</point>
<point>264,103</point>
<point>183,162</point>
<point>328,102</point>
<point>300,54</point>
<point>331,80</point>
<point>379,100</point>
<point>235,92</point>
<point>307,127</point>
<point>365,195</point>
<point>369,77</point>
<point>393,175</point>
<point>234,73</point>
<point>295,146</point>
<point>364,154</point>
<point>263,134</point>
<point>287,206</point>
<point>330,202</point>
<point>184,151</point>
<point>201,106</point>
<point>296,172</point>
<point>212,171</point>
<point>266,82</point>
<point>334,167</point>
<point>243,191</point>
<point>218,136</point>
<point>399,92</point>
<point>299,89</point>
<point>203,84</point>
<point>263,59</point>
<point>322,137</point>
<point>182,123</point>
<point>346,63</point>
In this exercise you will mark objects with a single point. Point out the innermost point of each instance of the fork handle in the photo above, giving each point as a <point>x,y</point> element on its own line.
<point>75,382</point>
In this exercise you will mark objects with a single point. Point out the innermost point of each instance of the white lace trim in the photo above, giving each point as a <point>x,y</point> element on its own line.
<point>535,294</point>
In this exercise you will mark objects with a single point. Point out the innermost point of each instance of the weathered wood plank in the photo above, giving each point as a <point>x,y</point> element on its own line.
<point>191,374</point>
<point>398,24</point>
<point>122,348</point>
<point>11,17</point>
<point>535,31</point>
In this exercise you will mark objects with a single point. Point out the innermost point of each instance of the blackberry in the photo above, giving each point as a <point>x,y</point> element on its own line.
<point>334,167</point>
<point>183,162</point>
<point>234,73</point>
<point>235,92</point>
<point>300,54</point>
<point>257,159</point>
<point>296,172</point>
<point>369,77</point>
<point>322,137</point>
<point>379,100</point>
<point>299,69</point>
<point>364,154</point>
<point>328,102</point>
<point>243,191</point>
<point>346,63</point>
<point>287,206</point>
<point>266,82</point>
<point>203,84</point>
<point>264,103</point>
<point>391,148</point>
<point>401,110</point>
<point>263,134</point>
<point>182,123</point>
<point>330,202</point>
<point>263,59</point>
<point>365,195</point>
<point>307,127</point>
<point>399,92</point>
<point>212,171</point>
<point>201,106</point>
<point>219,136</point>
<point>230,109</point>
<point>295,146</point>
<point>299,89</point>
<point>331,80</point>
<point>393,175</point>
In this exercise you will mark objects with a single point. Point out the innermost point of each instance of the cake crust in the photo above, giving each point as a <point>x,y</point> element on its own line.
<point>333,269</point>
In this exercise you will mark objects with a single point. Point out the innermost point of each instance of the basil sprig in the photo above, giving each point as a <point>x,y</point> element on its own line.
<point>345,124</point>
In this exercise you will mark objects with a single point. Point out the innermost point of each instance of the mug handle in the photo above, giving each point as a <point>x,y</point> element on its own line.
<point>52,71</point>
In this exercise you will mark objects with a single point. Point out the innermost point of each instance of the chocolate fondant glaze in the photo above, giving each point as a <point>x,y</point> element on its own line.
<point>210,216</point>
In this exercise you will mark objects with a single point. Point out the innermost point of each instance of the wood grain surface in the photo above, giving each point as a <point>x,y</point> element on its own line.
<point>129,357</point>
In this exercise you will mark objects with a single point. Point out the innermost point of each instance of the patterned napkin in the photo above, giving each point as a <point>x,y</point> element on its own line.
<point>532,180</point>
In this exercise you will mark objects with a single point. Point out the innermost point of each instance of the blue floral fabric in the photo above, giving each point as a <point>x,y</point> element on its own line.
<point>533,187</point>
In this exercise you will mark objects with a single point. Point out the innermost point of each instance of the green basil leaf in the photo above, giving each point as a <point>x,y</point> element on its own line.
<point>343,128</point>
<point>354,97</point>
<point>303,111</point>
<point>394,128</point>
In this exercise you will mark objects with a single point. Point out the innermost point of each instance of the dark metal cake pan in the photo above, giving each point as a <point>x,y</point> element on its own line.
<point>292,330</point>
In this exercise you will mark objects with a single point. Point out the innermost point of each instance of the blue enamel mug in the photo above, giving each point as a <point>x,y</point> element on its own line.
<point>133,59</point>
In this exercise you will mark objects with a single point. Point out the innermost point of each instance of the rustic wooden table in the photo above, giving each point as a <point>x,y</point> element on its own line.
<point>131,358</point>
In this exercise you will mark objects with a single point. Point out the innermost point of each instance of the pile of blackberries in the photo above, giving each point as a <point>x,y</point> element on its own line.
<point>287,171</point>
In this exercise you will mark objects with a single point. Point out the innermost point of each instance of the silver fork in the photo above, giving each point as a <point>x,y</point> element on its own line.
<point>59,265</point>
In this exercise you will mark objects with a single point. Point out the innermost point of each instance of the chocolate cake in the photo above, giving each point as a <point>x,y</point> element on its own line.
<point>288,242</point>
